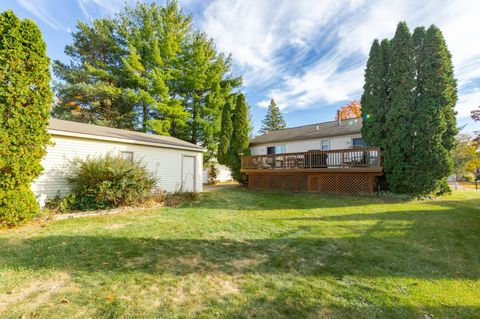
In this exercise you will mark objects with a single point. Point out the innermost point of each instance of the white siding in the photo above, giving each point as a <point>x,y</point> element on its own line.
<point>337,142</point>
<point>224,174</point>
<point>164,163</point>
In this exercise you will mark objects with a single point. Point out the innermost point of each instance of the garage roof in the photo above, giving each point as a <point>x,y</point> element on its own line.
<point>70,128</point>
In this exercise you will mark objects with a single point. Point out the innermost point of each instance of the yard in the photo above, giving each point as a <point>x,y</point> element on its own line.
<point>243,254</point>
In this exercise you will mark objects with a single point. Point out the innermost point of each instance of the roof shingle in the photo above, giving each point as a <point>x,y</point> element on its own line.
<point>108,132</point>
<point>312,131</point>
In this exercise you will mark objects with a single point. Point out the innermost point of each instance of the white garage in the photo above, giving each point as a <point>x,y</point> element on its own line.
<point>176,164</point>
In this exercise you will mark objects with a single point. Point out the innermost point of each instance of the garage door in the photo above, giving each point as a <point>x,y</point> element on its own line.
<point>188,174</point>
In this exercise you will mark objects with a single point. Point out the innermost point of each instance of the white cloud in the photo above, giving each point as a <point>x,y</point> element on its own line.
<point>258,33</point>
<point>467,102</point>
<point>39,9</point>
<point>95,8</point>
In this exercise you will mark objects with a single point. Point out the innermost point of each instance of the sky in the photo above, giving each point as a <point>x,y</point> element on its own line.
<point>308,55</point>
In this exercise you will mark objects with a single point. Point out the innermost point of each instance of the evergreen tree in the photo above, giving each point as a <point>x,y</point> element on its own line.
<point>432,122</point>
<point>152,60</point>
<point>240,138</point>
<point>147,69</point>
<point>375,96</point>
<point>399,142</point>
<point>225,135</point>
<point>25,98</point>
<point>419,95</point>
<point>91,88</point>
<point>273,119</point>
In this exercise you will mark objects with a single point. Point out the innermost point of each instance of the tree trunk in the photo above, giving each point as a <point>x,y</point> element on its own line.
<point>194,138</point>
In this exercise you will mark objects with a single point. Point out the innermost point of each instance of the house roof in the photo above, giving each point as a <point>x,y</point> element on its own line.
<point>82,130</point>
<point>312,131</point>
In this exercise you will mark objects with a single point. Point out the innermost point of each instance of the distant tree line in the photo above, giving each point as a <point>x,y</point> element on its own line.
<point>408,109</point>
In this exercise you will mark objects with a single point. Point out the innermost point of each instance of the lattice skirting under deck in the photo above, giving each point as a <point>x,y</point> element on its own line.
<point>315,182</point>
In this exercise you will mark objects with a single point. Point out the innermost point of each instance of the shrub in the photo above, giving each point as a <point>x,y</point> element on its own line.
<point>109,181</point>
<point>62,204</point>
<point>25,98</point>
<point>212,174</point>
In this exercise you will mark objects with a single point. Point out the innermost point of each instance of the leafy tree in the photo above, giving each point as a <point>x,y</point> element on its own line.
<point>225,135</point>
<point>466,156</point>
<point>375,95</point>
<point>273,119</point>
<point>433,123</point>
<point>25,98</point>
<point>350,111</point>
<point>400,113</point>
<point>240,138</point>
<point>475,114</point>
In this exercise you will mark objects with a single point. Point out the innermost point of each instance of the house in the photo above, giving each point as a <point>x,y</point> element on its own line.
<point>329,157</point>
<point>176,164</point>
<point>333,135</point>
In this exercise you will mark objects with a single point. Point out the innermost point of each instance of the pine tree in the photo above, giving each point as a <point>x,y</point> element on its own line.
<point>375,96</point>
<point>91,88</point>
<point>432,122</point>
<point>25,98</point>
<point>273,119</point>
<point>225,135</point>
<point>400,113</point>
<point>151,62</point>
<point>240,138</point>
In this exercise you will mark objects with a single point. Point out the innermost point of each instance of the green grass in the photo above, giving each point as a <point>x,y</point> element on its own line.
<point>242,254</point>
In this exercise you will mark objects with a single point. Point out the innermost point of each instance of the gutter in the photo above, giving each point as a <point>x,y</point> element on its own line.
<point>123,140</point>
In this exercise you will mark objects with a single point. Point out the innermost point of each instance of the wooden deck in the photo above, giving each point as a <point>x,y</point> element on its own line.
<point>345,171</point>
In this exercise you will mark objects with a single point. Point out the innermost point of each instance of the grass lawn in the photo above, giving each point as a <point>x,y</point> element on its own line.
<point>242,254</point>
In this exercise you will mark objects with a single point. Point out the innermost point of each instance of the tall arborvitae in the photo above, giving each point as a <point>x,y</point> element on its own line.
<point>225,135</point>
<point>240,138</point>
<point>374,97</point>
<point>400,113</point>
<point>25,99</point>
<point>434,124</point>
<point>273,119</point>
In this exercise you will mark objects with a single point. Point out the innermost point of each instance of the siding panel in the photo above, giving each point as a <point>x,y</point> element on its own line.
<point>164,163</point>
<point>336,143</point>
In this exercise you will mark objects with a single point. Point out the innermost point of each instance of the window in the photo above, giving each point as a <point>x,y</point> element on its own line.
<point>358,142</point>
<point>127,155</point>
<point>280,149</point>
<point>325,145</point>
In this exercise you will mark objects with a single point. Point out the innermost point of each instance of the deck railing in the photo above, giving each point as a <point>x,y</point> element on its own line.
<point>367,157</point>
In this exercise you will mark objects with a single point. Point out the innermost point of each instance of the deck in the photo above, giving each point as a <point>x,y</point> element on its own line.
<point>347,171</point>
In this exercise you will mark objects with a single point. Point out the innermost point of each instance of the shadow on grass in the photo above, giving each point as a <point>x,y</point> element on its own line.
<point>431,245</point>
<point>286,309</point>
<point>244,199</point>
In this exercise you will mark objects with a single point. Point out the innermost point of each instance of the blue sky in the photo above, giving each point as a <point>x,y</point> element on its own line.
<point>308,55</point>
